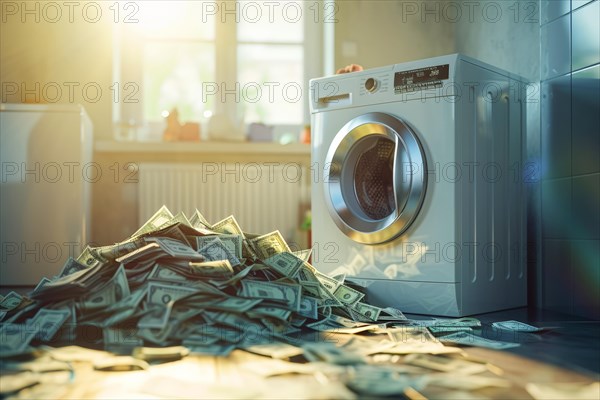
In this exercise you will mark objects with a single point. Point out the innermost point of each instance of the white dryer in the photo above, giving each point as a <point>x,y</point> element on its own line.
<point>418,193</point>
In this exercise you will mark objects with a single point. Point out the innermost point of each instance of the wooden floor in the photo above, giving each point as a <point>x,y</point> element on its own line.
<point>567,353</point>
<point>240,375</point>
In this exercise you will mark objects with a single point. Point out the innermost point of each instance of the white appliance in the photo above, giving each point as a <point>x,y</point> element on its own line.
<point>46,177</point>
<point>419,194</point>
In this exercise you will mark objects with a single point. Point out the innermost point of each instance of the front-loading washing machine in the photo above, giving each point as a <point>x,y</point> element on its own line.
<point>417,193</point>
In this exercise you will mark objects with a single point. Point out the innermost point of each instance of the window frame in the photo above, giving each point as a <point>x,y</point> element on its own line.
<point>128,60</point>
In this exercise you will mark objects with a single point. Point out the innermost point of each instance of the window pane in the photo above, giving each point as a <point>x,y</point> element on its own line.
<point>270,21</point>
<point>173,76</point>
<point>176,19</point>
<point>271,86</point>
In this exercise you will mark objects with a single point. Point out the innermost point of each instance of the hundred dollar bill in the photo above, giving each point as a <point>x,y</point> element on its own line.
<point>306,273</point>
<point>330,325</point>
<point>212,269</point>
<point>310,283</point>
<point>124,309</point>
<point>347,295</point>
<point>159,293</point>
<point>228,225</point>
<point>90,258</point>
<point>11,301</point>
<point>147,252</point>
<point>516,326</point>
<point>326,298</point>
<point>235,304</point>
<point>162,273</point>
<point>116,250</point>
<point>326,324</point>
<point>312,289</point>
<point>180,218</point>
<point>198,221</point>
<point>440,330</point>
<point>216,250</point>
<point>291,294</point>
<point>469,339</point>
<point>238,322</point>
<point>346,322</point>
<point>182,311</point>
<point>308,307</point>
<point>47,322</point>
<point>392,314</point>
<point>70,267</point>
<point>367,310</point>
<point>111,292</point>
<point>234,279</point>
<point>174,231</point>
<point>68,330</point>
<point>285,263</point>
<point>247,251</point>
<point>157,317</point>
<point>273,312</point>
<point>177,249</point>
<point>465,321</point>
<point>328,282</point>
<point>40,284</point>
<point>232,242</point>
<point>304,255</point>
<point>268,245</point>
<point>162,216</point>
<point>25,308</point>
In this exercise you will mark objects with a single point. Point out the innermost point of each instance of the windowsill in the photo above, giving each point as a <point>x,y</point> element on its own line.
<point>213,147</point>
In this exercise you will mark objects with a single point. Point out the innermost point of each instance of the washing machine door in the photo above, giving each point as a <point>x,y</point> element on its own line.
<point>375,178</point>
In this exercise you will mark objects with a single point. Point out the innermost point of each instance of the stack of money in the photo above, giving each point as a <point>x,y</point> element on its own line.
<point>180,281</point>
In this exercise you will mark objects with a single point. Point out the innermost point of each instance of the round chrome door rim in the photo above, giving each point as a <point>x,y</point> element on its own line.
<point>408,154</point>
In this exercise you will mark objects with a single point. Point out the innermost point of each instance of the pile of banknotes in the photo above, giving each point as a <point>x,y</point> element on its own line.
<point>180,281</point>
<point>181,286</point>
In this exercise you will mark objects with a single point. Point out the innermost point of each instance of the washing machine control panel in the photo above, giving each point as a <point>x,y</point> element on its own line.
<point>420,79</point>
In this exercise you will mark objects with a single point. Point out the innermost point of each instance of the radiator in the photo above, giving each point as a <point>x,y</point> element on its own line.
<point>262,197</point>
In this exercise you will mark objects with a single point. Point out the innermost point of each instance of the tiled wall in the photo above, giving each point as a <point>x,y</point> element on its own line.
<point>569,228</point>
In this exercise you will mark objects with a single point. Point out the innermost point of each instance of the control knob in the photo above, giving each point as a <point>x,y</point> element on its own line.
<point>371,85</point>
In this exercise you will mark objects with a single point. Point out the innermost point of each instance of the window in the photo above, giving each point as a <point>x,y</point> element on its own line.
<point>247,60</point>
<point>270,64</point>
